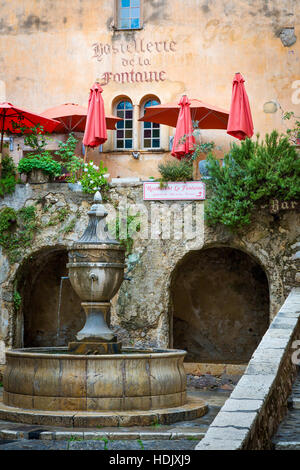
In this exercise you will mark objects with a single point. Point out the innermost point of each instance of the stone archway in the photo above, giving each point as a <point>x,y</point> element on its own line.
<point>39,281</point>
<point>220,305</point>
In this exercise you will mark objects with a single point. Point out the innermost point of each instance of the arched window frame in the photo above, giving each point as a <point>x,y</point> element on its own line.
<point>121,109</point>
<point>153,130</point>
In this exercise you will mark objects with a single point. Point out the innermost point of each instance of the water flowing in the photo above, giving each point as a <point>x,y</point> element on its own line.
<point>59,307</point>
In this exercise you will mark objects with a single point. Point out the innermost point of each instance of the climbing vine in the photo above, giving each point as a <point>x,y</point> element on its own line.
<point>17,229</point>
<point>123,229</point>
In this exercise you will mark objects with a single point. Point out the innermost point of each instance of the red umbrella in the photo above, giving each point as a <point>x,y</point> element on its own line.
<point>240,124</point>
<point>10,114</point>
<point>208,116</point>
<point>72,118</point>
<point>184,140</point>
<point>95,130</point>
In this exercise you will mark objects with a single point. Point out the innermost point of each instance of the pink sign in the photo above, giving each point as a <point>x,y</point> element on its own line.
<point>175,191</point>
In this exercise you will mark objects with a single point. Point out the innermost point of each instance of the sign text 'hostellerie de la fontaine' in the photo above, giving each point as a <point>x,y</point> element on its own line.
<point>132,55</point>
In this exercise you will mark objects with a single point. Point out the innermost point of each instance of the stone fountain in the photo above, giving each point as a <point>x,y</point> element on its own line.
<point>94,381</point>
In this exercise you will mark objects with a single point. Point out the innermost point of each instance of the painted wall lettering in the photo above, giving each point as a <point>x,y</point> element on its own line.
<point>137,46</point>
<point>132,57</point>
<point>132,77</point>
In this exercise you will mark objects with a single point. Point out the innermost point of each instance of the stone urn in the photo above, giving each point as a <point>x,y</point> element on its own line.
<point>38,176</point>
<point>96,271</point>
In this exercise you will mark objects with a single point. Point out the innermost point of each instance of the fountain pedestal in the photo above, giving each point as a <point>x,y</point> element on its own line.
<point>96,270</point>
<point>96,337</point>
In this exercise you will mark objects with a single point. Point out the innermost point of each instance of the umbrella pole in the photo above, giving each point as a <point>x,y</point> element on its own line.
<point>85,154</point>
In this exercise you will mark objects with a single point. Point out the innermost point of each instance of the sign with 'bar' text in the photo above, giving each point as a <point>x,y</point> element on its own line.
<point>180,191</point>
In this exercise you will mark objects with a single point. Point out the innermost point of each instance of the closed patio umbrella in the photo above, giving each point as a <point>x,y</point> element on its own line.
<point>240,124</point>
<point>95,132</point>
<point>183,140</point>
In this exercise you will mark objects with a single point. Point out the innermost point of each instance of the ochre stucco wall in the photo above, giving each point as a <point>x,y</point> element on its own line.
<point>51,51</point>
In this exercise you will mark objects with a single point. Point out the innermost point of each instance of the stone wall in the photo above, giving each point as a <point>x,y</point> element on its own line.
<point>250,417</point>
<point>142,312</point>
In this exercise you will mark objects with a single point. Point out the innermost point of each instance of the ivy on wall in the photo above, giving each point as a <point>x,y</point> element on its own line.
<point>17,229</point>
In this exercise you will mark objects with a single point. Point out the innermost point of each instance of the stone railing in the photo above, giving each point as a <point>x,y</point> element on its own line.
<point>250,417</point>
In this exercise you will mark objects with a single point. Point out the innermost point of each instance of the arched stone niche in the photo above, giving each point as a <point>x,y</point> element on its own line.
<point>219,305</point>
<point>39,281</point>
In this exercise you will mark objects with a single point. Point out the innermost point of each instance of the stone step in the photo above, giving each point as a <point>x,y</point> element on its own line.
<point>15,434</point>
<point>295,403</point>
<point>288,433</point>
<point>287,445</point>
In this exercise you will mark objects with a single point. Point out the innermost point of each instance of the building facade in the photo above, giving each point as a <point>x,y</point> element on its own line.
<point>146,52</point>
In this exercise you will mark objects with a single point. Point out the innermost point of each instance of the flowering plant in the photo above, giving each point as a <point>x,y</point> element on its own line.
<point>93,177</point>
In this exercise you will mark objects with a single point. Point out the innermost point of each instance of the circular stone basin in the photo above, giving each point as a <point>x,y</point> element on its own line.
<point>51,379</point>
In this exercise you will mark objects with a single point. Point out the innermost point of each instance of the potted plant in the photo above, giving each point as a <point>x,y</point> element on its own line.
<point>177,170</point>
<point>38,165</point>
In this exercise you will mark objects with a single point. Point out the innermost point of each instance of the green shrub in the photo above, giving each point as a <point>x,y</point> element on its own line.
<point>17,300</point>
<point>8,176</point>
<point>177,170</point>
<point>253,172</point>
<point>71,162</point>
<point>43,161</point>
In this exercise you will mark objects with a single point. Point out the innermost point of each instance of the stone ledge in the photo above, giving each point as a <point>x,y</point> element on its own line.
<point>194,408</point>
<point>250,417</point>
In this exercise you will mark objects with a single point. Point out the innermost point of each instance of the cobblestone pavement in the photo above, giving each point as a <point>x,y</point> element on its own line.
<point>288,433</point>
<point>24,444</point>
<point>183,435</point>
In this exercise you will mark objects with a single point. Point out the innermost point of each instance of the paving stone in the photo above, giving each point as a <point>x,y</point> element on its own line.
<point>155,435</point>
<point>124,435</point>
<point>242,405</point>
<point>257,389</point>
<point>264,368</point>
<point>284,323</point>
<point>9,434</point>
<point>230,433</point>
<point>47,435</point>
<point>86,445</point>
<point>219,444</point>
<point>61,436</point>
<point>187,435</point>
<point>123,445</point>
<point>35,445</point>
<point>236,420</point>
<point>184,444</point>
<point>287,445</point>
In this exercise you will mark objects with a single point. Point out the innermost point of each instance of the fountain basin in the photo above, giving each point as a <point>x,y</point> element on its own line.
<point>53,379</point>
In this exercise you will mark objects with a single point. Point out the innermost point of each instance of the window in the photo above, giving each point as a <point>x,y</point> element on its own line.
<point>124,128</point>
<point>150,130</point>
<point>129,14</point>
